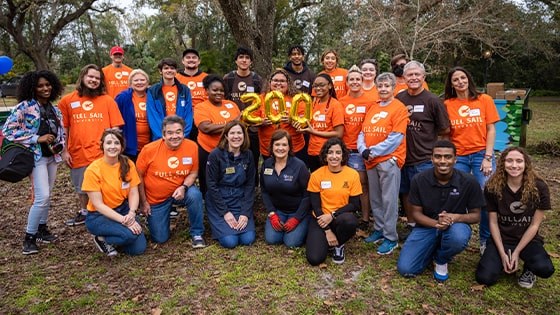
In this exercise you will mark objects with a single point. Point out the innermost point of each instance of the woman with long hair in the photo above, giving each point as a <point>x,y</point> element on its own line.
<point>327,119</point>
<point>230,180</point>
<point>329,60</point>
<point>516,198</point>
<point>472,115</point>
<point>111,184</point>
<point>37,124</point>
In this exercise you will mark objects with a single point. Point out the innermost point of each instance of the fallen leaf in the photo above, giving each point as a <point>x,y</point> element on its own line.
<point>156,311</point>
<point>361,234</point>
<point>328,302</point>
<point>555,255</point>
<point>478,287</point>
<point>323,266</point>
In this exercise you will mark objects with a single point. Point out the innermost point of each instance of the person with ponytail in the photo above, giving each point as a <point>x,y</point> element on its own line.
<point>111,184</point>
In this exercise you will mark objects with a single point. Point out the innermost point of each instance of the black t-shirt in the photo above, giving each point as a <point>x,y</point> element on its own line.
<point>237,86</point>
<point>427,118</point>
<point>461,194</point>
<point>514,217</point>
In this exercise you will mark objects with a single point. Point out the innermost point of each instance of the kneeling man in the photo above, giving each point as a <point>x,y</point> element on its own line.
<point>444,202</point>
<point>168,168</point>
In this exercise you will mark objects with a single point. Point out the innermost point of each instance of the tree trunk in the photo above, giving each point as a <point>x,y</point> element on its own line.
<point>254,30</point>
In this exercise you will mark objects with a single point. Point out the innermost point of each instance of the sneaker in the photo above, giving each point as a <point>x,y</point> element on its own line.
<point>387,247</point>
<point>375,237</point>
<point>44,235</point>
<point>440,273</point>
<point>338,255</point>
<point>527,279</point>
<point>198,242</point>
<point>173,213</point>
<point>104,247</point>
<point>78,220</point>
<point>30,244</point>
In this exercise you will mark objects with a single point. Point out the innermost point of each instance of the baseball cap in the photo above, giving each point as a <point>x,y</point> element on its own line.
<point>117,50</point>
<point>191,51</point>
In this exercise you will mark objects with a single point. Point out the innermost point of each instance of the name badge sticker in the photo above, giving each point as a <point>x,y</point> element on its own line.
<point>360,109</point>
<point>199,84</point>
<point>305,83</point>
<point>250,89</point>
<point>418,108</point>
<point>125,73</point>
<point>267,171</point>
<point>229,105</point>
<point>75,104</point>
<point>474,112</point>
<point>321,118</point>
<point>383,114</point>
<point>230,170</point>
<point>326,184</point>
<point>187,160</point>
<point>125,185</point>
<point>339,78</point>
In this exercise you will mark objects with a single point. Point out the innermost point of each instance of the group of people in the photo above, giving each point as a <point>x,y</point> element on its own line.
<point>372,139</point>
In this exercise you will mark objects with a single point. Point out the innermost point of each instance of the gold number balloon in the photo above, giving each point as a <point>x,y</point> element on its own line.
<point>247,114</point>
<point>306,99</point>
<point>268,99</point>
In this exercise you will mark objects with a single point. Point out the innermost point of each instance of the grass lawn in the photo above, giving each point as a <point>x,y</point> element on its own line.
<point>72,277</point>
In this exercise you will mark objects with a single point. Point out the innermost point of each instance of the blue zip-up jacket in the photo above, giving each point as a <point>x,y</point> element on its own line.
<point>155,108</point>
<point>130,134</point>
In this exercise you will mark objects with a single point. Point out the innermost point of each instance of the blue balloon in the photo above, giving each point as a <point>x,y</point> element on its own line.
<point>6,64</point>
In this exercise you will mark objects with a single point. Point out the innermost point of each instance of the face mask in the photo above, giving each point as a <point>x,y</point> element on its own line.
<point>398,70</point>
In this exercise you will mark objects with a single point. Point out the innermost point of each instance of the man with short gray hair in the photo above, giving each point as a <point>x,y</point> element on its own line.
<point>428,122</point>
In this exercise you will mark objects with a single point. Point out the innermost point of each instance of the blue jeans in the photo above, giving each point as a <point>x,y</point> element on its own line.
<point>295,238</point>
<point>471,164</point>
<point>231,241</point>
<point>116,233</point>
<point>425,245</point>
<point>408,172</point>
<point>43,176</point>
<point>158,221</point>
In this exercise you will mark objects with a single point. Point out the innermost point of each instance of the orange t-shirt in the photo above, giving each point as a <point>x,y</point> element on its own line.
<point>324,118</point>
<point>335,189</point>
<point>165,169</point>
<point>104,178</point>
<point>219,115</point>
<point>379,122</point>
<point>338,76</point>
<point>372,94</point>
<point>198,93</point>
<point>355,109</point>
<point>403,87</point>
<point>469,119</point>
<point>170,93</point>
<point>86,119</point>
<point>116,79</point>
<point>142,127</point>
<point>265,132</point>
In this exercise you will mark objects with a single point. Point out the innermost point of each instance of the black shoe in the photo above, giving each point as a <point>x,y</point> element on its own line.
<point>338,255</point>
<point>44,235</point>
<point>104,247</point>
<point>30,244</point>
<point>78,220</point>
<point>405,233</point>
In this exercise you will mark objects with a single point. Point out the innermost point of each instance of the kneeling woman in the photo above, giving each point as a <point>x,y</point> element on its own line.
<point>334,191</point>
<point>230,180</point>
<point>284,180</point>
<point>516,199</point>
<point>111,184</point>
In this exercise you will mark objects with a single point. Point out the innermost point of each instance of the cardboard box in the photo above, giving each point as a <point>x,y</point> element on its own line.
<point>493,88</point>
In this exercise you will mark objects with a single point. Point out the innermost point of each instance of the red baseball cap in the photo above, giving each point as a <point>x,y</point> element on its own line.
<point>117,50</point>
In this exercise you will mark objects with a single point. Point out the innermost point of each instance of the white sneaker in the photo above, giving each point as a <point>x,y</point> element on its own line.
<point>527,279</point>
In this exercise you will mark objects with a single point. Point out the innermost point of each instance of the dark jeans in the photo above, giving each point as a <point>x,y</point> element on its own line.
<point>317,247</point>
<point>202,159</point>
<point>254,141</point>
<point>534,256</point>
